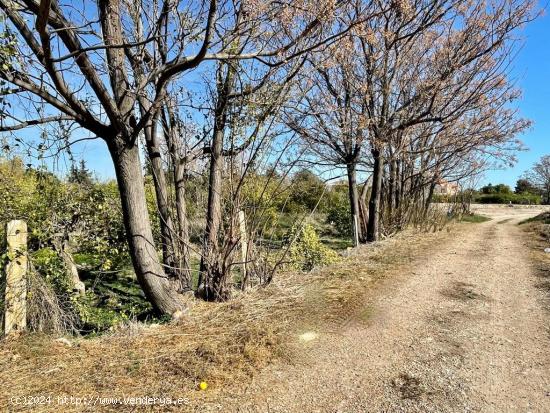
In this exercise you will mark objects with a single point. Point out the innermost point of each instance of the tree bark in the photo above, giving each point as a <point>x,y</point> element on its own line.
<point>373,230</point>
<point>167,230</point>
<point>183,225</point>
<point>212,278</point>
<point>354,201</point>
<point>363,207</point>
<point>392,187</point>
<point>428,199</point>
<point>179,163</point>
<point>62,248</point>
<point>399,184</point>
<point>213,215</point>
<point>161,291</point>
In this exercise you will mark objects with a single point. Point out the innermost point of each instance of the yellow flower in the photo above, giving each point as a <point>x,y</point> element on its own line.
<point>203,385</point>
<point>107,265</point>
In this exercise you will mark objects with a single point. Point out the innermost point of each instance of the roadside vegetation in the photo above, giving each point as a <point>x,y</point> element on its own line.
<point>244,135</point>
<point>475,218</point>
<point>255,145</point>
<point>271,162</point>
<point>526,192</point>
<point>77,236</point>
<point>538,239</point>
<point>237,338</point>
<point>540,220</point>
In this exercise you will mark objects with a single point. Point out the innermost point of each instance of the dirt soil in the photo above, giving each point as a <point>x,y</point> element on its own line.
<point>465,328</point>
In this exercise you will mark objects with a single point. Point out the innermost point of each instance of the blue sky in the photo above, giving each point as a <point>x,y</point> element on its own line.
<point>532,71</point>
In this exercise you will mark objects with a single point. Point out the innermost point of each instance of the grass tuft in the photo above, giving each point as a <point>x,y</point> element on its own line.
<point>543,218</point>
<point>475,218</point>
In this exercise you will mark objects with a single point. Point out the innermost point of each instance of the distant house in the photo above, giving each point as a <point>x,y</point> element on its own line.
<point>446,188</point>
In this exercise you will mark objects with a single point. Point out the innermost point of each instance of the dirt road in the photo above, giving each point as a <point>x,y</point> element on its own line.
<point>465,330</point>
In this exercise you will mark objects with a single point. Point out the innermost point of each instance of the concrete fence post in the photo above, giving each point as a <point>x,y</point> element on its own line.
<point>15,299</point>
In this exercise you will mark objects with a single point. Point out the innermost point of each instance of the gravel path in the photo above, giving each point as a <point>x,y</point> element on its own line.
<point>464,330</point>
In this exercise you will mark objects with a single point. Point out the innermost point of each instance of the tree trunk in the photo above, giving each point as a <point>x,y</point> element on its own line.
<point>183,224</point>
<point>392,187</point>
<point>428,199</point>
<point>354,202</point>
<point>212,277</point>
<point>213,217</point>
<point>179,163</point>
<point>62,248</point>
<point>373,230</point>
<point>399,184</point>
<point>167,232</point>
<point>158,288</point>
<point>363,208</point>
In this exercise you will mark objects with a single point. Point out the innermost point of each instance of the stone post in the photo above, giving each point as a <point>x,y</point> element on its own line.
<point>15,305</point>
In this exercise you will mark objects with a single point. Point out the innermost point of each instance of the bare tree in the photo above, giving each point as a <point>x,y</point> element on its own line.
<point>84,63</point>
<point>414,92</point>
<point>539,175</point>
<point>460,54</point>
<point>328,115</point>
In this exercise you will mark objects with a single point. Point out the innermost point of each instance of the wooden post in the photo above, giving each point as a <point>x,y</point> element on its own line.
<point>355,231</point>
<point>244,248</point>
<point>15,299</point>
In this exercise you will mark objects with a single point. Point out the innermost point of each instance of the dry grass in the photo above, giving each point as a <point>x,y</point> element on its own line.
<point>46,311</point>
<point>221,343</point>
<point>538,231</point>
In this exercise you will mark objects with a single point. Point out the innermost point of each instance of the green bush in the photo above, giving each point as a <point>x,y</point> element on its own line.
<point>306,250</point>
<point>51,268</point>
<point>95,318</point>
<point>90,212</point>
<point>91,313</point>
<point>338,215</point>
<point>306,192</point>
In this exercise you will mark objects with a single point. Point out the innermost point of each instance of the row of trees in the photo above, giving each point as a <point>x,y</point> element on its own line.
<point>503,194</point>
<point>532,187</point>
<point>537,180</point>
<point>405,93</point>
<point>368,108</point>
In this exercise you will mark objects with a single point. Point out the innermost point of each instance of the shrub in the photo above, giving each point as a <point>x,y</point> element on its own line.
<point>306,250</point>
<point>307,192</point>
<point>506,198</point>
<point>56,308</point>
<point>47,311</point>
<point>95,318</point>
<point>51,268</point>
<point>338,215</point>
